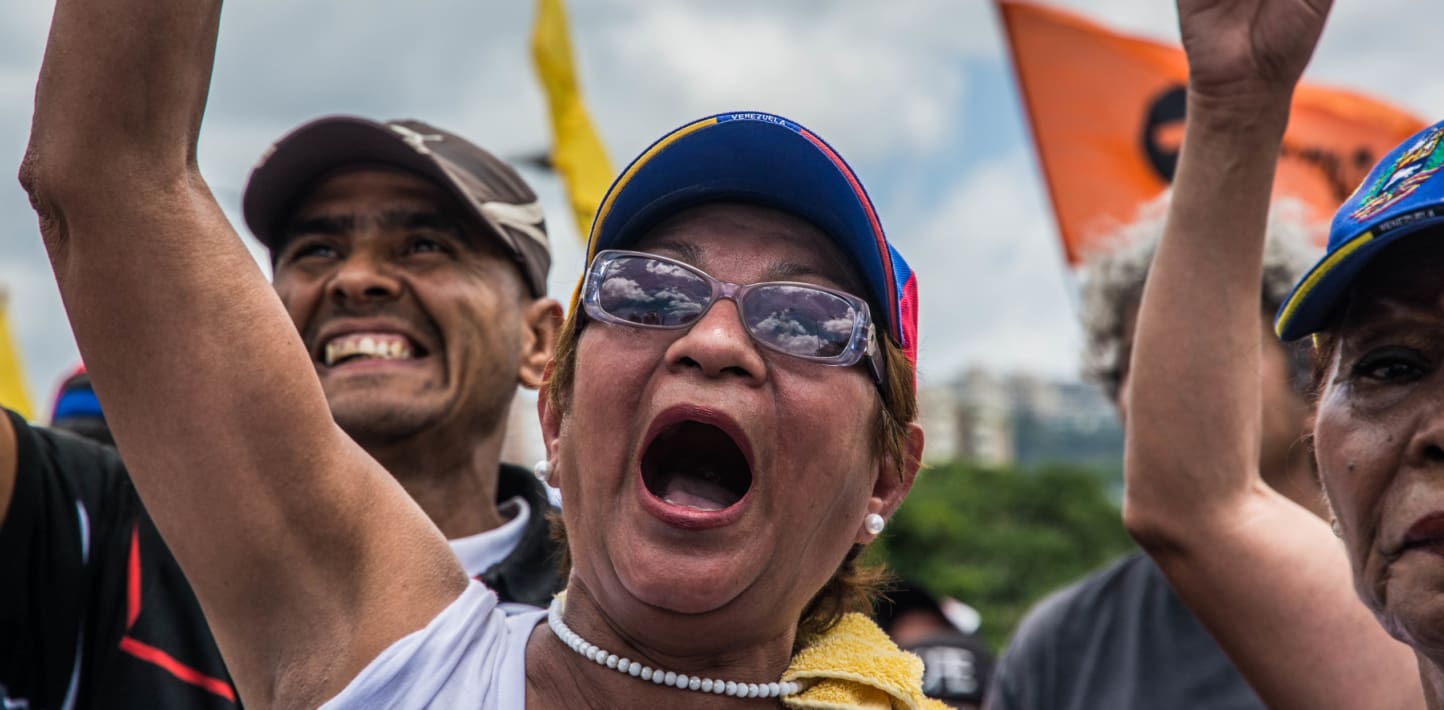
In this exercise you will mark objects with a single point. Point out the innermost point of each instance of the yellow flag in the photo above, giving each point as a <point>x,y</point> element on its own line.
<point>577,153</point>
<point>12,379</point>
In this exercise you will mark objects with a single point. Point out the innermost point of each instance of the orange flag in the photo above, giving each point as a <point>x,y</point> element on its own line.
<point>1107,117</point>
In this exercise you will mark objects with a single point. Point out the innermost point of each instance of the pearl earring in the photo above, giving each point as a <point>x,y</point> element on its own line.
<point>873,523</point>
<point>542,470</point>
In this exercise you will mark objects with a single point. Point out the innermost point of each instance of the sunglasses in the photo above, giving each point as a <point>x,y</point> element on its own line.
<point>805,321</point>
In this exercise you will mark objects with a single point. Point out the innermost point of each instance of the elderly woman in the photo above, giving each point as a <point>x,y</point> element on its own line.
<point>1268,579</point>
<point>730,418</point>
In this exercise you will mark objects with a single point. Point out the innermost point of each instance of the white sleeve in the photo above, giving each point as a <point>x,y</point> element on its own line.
<point>468,656</point>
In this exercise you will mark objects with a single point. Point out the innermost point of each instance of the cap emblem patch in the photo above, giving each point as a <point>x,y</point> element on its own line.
<point>1410,170</point>
<point>416,140</point>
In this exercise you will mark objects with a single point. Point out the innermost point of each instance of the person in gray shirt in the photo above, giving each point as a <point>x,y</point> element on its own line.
<point>1120,638</point>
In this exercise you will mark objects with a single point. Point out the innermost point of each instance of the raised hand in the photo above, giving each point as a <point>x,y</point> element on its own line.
<point>261,497</point>
<point>1258,570</point>
<point>1241,48</point>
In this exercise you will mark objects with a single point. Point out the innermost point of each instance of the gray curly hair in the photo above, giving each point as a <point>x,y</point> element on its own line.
<point>1113,282</point>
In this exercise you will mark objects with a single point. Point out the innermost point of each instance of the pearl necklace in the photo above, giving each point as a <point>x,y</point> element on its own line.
<point>676,680</point>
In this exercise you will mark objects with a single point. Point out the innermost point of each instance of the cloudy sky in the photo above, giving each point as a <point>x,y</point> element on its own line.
<point>917,94</point>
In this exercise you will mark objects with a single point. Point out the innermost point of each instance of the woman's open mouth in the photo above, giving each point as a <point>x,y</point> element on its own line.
<point>695,467</point>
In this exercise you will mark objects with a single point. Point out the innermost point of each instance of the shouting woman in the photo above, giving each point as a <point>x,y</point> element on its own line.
<point>730,419</point>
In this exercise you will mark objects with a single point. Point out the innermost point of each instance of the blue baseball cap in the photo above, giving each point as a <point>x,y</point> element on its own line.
<point>764,159</point>
<point>1402,195</point>
<point>76,398</point>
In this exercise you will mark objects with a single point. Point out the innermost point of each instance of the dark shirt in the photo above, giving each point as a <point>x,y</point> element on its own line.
<point>532,573</point>
<point>94,607</point>
<point>1119,639</point>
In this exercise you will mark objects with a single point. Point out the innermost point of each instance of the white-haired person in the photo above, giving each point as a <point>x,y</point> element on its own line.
<point>1265,575</point>
<point>730,416</point>
<point>1121,638</point>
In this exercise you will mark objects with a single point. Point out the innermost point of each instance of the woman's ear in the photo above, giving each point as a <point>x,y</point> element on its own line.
<point>894,480</point>
<point>550,413</point>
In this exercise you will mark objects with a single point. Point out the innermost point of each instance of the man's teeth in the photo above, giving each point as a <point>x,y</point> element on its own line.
<point>383,347</point>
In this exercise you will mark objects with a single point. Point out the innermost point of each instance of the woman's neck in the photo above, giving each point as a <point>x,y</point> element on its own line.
<point>559,676</point>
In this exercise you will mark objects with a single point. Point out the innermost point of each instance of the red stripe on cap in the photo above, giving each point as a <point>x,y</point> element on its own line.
<point>132,582</point>
<point>908,314</point>
<point>872,219</point>
<point>154,656</point>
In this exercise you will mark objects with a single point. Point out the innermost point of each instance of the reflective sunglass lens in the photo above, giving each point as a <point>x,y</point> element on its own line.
<point>651,292</point>
<point>800,320</point>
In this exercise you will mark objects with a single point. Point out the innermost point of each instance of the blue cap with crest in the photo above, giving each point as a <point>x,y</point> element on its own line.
<point>1402,195</point>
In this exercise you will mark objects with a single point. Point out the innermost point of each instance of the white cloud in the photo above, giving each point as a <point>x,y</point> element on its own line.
<point>862,76</point>
<point>46,346</point>
<point>885,82</point>
<point>992,285</point>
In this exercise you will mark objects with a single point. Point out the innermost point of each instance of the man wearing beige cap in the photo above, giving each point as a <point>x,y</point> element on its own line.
<point>414,266</point>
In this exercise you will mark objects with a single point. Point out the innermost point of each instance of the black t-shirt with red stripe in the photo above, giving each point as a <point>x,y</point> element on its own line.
<point>94,611</point>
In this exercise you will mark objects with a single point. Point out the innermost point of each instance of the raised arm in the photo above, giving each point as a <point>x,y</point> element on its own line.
<point>307,557</point>
<point>1267,578</point>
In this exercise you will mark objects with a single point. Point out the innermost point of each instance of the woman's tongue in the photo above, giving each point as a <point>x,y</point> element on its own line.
<point>699,488</point>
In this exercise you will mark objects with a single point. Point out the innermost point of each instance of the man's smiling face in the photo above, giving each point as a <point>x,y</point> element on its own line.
<point>411,313</point>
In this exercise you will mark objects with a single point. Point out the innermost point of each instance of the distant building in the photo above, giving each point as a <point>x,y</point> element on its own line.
<point>971,418</point>
<point>1024,420</point>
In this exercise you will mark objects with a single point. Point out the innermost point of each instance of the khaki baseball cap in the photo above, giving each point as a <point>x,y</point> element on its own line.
<point>487,187</point>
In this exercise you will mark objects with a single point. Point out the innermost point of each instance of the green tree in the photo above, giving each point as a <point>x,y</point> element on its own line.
<point>999,539</point>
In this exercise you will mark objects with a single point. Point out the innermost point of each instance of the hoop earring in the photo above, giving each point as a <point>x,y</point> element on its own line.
<point>874,523</point>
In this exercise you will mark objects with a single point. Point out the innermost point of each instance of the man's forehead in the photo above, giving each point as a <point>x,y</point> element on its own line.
<point>358,198</point>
